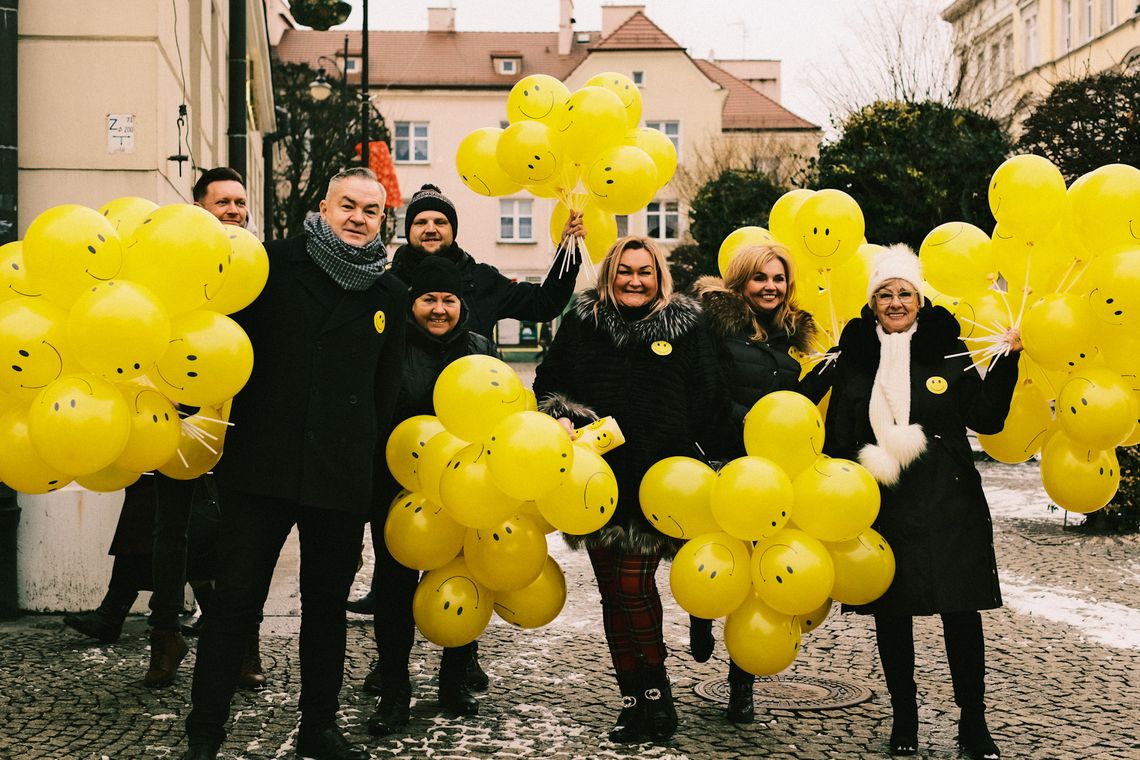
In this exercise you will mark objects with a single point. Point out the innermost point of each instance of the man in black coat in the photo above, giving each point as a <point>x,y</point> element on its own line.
<point>308,433</point>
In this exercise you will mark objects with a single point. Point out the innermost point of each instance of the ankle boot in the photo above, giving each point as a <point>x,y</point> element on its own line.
<point>904,732</point>
<point>974,737</point>
<point>394,708</point>
<point>476,679</point>
<point>104,623</point>
<point>701,640</point>
<point>252,676</point>
<point>454,695</point>
<point>167,649</point>
<point>966,653</point>
<point>202,751</point>
<point>741,708</point>
<point>895,640</point>
<point>660,713</point>
<point>630,726</point>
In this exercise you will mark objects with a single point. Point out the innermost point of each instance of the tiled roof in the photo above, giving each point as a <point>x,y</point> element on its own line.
<point>638,33</point>
<point>745,109</point>
<point>413,60</point>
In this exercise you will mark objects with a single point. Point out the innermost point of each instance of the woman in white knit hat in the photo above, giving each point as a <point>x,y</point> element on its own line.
<point>901,403</point>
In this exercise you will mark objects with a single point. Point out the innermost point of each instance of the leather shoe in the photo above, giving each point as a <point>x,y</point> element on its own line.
<point>904,732</point>
<point>327,744</point>
<point>374,682</point>
<point>741,708</point>
<point>457,700</point>
<point>477,680</point>
<point>392,714</point>
<point>252,676</point>
<point>167,650</point>
<point>975,740</point>
<point>365,605</point>
<point>201,751</point>
<point>101,625</point>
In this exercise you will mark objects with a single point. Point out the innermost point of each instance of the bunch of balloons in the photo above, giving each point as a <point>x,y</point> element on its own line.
<point>109,319</point>
<point>487,477</point>
<point>774,536</point>
<point>584,148</point>
<point>1063,264</point>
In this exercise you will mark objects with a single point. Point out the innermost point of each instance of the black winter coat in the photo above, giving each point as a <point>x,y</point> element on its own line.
<point>656,376</point>
<point>311,423</point>
<point>752,369</point>
<point>490,295</point>
<point>935,517</point>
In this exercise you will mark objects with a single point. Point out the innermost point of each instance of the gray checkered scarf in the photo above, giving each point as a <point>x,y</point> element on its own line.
<point>352,267</point>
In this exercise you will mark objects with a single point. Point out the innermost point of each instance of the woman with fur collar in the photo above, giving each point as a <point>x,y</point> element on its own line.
<point>634,349</point>
<point>754,317</point>
<point>902,398</point>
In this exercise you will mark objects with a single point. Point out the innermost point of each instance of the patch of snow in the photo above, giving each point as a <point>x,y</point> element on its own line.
<point>1107,623</point>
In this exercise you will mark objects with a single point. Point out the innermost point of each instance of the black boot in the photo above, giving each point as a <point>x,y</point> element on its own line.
<point>202,751</point>
<point>365,605</point>
<point>965,650</point>
<point>741,708</point>
<point>394,708</point>
<point>327,743</point>
<point>660,713</point>
<point>895,638</point>
<point>630,726</point>
<point>476,679</point>
<point>374,681</point>
<point>700,638</point>
<point>105,623</point>
<point>454,695</point>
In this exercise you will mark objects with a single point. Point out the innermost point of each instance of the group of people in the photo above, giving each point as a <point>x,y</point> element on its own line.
<point>351,345</point>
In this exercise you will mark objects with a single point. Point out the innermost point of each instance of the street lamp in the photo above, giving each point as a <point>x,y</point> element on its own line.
<point>319,88</point>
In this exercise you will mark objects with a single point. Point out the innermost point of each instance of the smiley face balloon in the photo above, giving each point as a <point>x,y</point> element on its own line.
<point>1097,408</point>
<point>478,166</point>
<point>118,330</point>
<point>537,604</point>
<point>469,493</point>
<point>864,567</point>
<point>592,118</point>
<point>14,280</point>
<point>829,228</point>
<point>752,498</point>
<point>1114,287</point>
<point>450,607</point>
<point>792,572</point>
<point>1077,478</point>
<point>69,248</point>
<point>420,534</point>
<point>759,639</point>
<point>586,500</point>
<point>406,444</point>
<point>79,424</point>
<point>475,393</point>
<point>835,499</point>
<point>622,179</point>
<point>21,467</point>
<point>674,496</point>
<point>536,98</point>
<point>208,359</point>
<point>33,337</point>
<point>155,428</point>
<point>710,575</point>
<point>627,92</point>
<point>529,454</point>
<point>785,427</point>
<point>528,154</point>
<point>508,556</point>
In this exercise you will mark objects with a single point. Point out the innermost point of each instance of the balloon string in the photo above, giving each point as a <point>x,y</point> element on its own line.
<point>1072,263</point>
<point>831,306</point>
<point>1078,275</point>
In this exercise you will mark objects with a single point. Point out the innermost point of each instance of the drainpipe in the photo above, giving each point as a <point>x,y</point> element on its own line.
<point>9,169</point>
<point>238,138</point>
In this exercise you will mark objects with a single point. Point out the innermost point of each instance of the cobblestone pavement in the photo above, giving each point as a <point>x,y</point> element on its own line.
<point>1064,675</point>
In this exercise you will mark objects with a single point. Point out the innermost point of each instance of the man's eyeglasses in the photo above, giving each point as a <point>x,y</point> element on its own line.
<point>884,297</point>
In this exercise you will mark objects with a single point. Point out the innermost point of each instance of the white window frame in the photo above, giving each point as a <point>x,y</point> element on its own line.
<point>352,65</point>
<point>515,210</point>
<point>1031,43</point>
<point>508,66</point>
<point>663,126</point>
<point>1065,25</point>
<point>1108,13</point>
<point>663,210</point>
<point>399,214</point>
<point>622,222</point>
<point>411,139</point>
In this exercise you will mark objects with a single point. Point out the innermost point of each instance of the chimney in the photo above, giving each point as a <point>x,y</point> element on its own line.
<point>614,16</point>
<point>441,19</point>
<point>565,26</point>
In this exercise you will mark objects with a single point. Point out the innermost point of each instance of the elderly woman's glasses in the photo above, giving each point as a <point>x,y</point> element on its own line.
<point>884,297</point>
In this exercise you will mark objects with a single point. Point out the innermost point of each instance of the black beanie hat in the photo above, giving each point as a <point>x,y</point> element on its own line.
<point>436,274</point>
<point>429,198</point>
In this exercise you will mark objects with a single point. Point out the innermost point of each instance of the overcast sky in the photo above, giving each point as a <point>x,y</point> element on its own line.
<point>815,39</point>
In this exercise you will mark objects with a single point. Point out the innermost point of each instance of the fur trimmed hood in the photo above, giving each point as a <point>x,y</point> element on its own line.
<point>679,317</point>
<point>729,315</point>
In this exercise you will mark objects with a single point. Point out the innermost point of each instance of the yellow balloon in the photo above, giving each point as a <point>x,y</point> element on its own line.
<point>248,273</point>
<point>182,253</point>
<point>622,179</point>
<point>1103,207</point>
<point>958,259</point>
<point>659,147</point>
<point>1113,284</point>
<point>849,281</point>
<point>475,393</point>
<point>710,575</point>
<point>405,445</point>
<point>508,556</point>
<point>478,167</point>
<point>529,455</point>
<point>1120,347</point>
<point>450,607</point>
<point>1027,194</point>
<point>14,280</point>
<point>439,450</point>
<point>208,361</point>
<point>419,533</point>
<point>586,500</point>
<point>792,572</point>
<point>156,429</point>
<point>200,449</point>
<point>118,330</point>
<point>786,428</point>
<point>110,478</point>
<point>738,240</point>
<point>536,98</point>
<point>591,119</point>
<point>675,494</point>
<point>127,213</point>
<point>864,568</point>
<point>782,217</point>
<point>536,604</point>
<point>759,639</point>
<point>835,499</point>
<point>69,248</point>
<point>468,492</point>
<point>627,92</point>
<point>1059,332</point>
<point>601,229</point>
<point>812,620</point>
<point>1096,408</point>
<point>1036,262</point>
<point>528,152</point>
<point>530,509</point>
<point>1026,426</point>
<point>21,467</point>
<point>1077,478</point>
<point>751,498</point>
<point>79,424</point>
<point>828,228</point>
<point>33,345</point>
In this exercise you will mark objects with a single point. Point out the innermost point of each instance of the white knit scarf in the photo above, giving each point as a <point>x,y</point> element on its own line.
<point>898,442</point>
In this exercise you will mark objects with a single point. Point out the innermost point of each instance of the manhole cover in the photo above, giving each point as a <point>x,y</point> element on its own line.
<point>798,692</point>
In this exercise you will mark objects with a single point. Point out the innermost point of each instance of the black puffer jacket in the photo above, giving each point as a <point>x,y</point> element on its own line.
<point>659,379</point>
<point>490,295</point>
<point>935,517</point>
<point>752,369</point>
